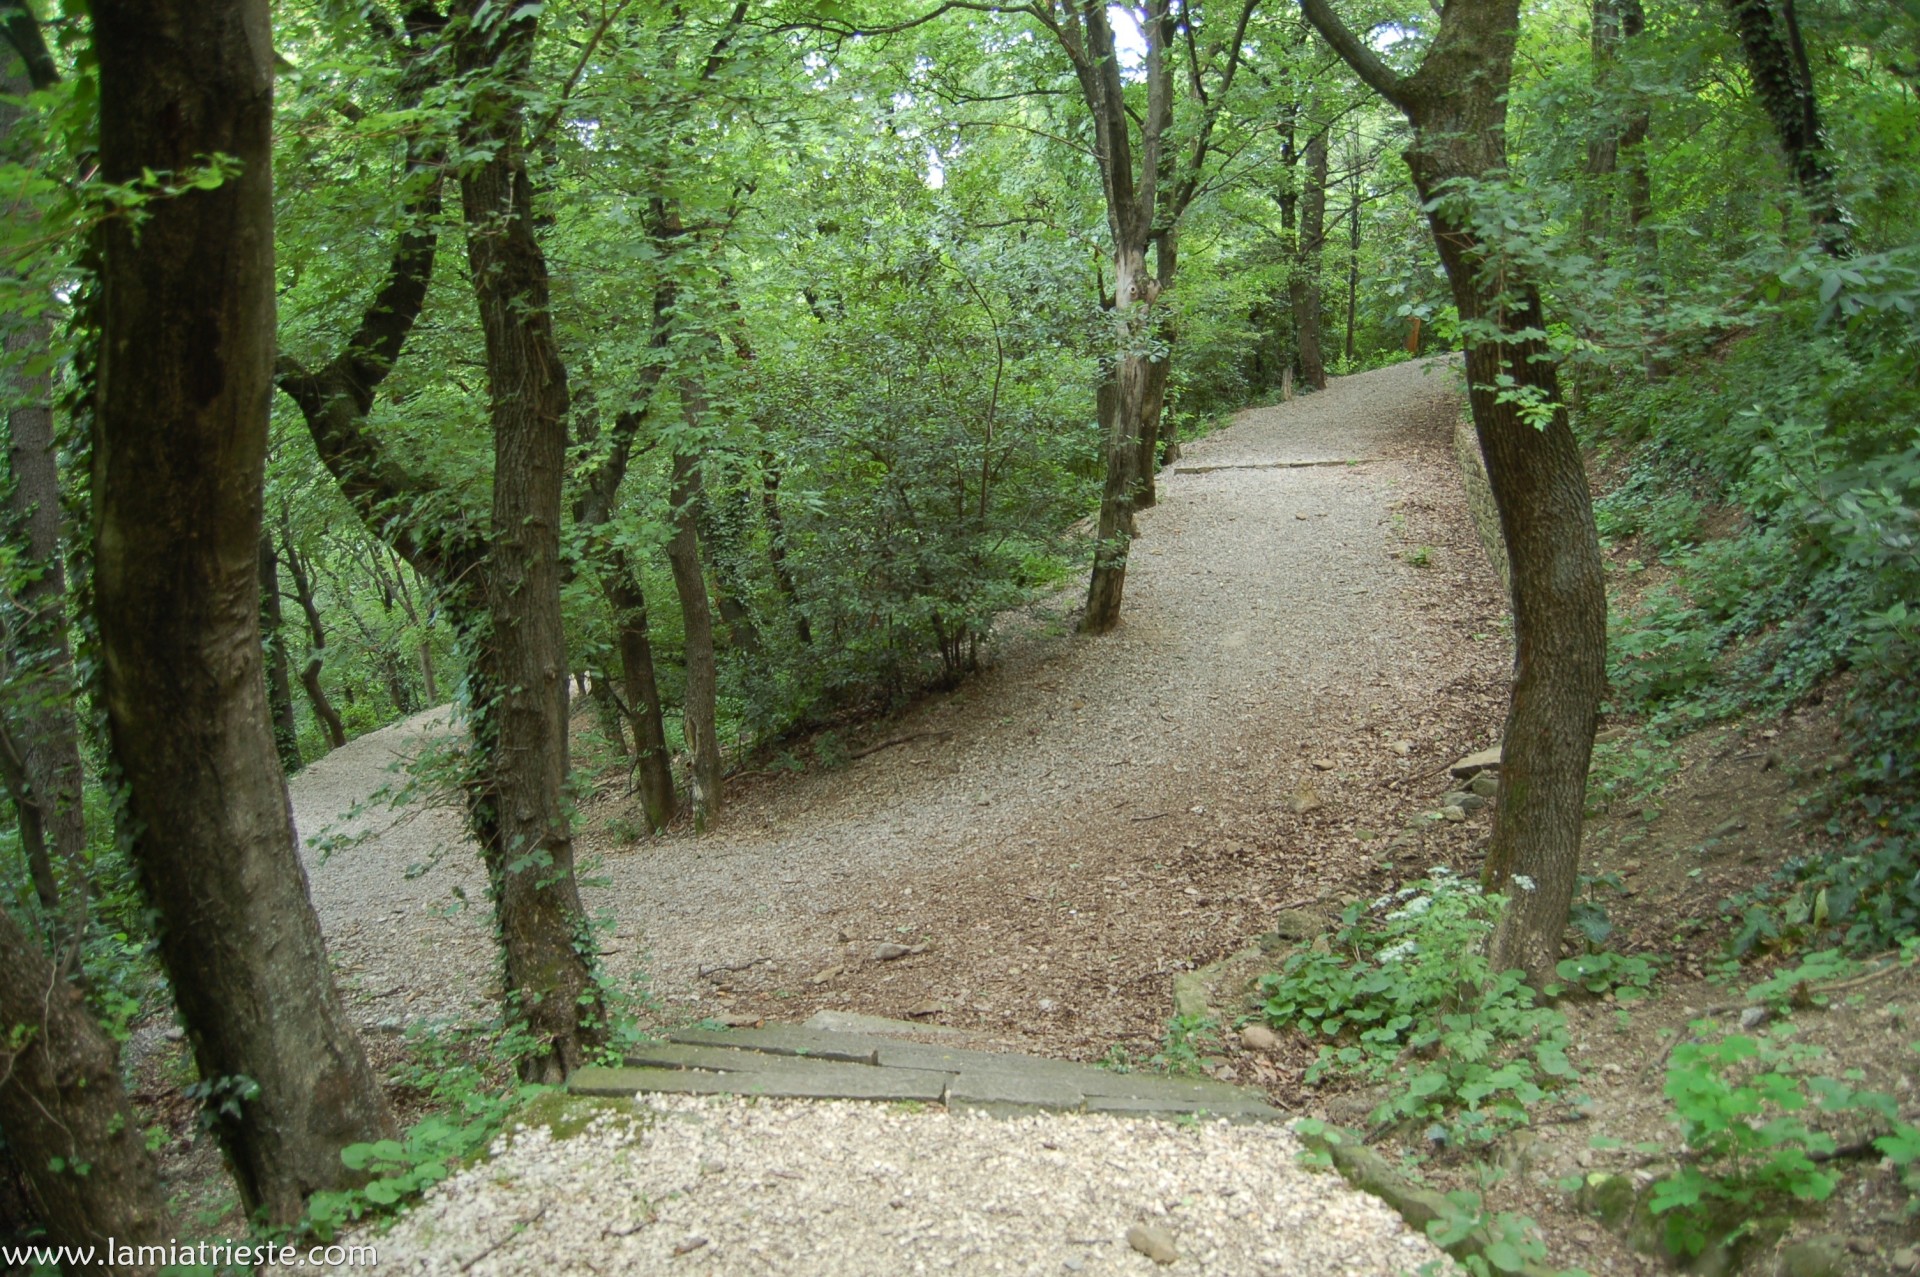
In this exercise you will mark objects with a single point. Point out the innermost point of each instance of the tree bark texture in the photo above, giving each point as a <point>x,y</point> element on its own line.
<point>652,761</point>
<point>286,733</point>
<point>68,1123</point>
<point>1456,103</point>
<point>1303,285</point>
<point>699,707</point>
<point>518,712</point>
<point>179,450</point>
<point>1769,32</point>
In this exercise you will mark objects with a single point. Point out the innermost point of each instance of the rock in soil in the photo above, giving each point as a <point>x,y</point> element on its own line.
<point>1154,1242</point>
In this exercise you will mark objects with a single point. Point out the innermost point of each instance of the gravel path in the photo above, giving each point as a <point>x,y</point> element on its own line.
<point>1064,832</point>
<point>778,1187</point>
<point>1267,620</point>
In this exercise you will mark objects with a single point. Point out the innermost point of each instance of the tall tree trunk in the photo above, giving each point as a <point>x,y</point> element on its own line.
<point>1157,439</point>
<point>68,1123</point>
<point>1130,383</point>
<point>698,707</point>
<point>323,710</point>
<point>1303,286</point>
<point>179,453</point>
<point>1353,265</point>
<point>518,795</point>
<point>776,522</point>
<point>286,734</point>
<point>39,663</point>
<point>1456,102</point>
<point>1769,32</point>
<point>652,761</point>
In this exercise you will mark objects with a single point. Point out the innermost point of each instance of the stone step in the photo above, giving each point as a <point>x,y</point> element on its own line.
<point>807,1081</point>
<point>815,1063</point>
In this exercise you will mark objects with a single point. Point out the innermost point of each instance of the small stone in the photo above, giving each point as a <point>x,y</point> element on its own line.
<point>1473,764</point>
<point>1073,1263</point>
<point>1752,1018</point>
<point>1304,800</point>
<point>1485,784</point>
<point>1453,815</point>
<point>821,977</point>
<point>1906,1257</point>
<point>890,951</point>
<point>1814,1257</point>
<point>690,1245</point>
<point>1458,798</point>
<point>1154,1242</point>
<point>1402,747</point>
<point>1258,1037</point>
<point>1323,764</point>
<point>712,1166</point>
<point>921,1010</point>
<point>175,1034</point>
<point>743,1020</point>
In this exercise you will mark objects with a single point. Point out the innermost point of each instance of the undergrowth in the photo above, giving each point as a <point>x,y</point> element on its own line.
<point>1403,991</point>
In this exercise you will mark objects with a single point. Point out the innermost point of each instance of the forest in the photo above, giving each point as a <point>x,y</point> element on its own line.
<point>697,396</point>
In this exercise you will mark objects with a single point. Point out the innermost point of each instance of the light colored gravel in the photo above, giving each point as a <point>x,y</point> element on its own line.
<point>849,1189</point>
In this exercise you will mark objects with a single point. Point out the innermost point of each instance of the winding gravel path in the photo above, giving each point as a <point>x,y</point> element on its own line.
<point>1064,832</point>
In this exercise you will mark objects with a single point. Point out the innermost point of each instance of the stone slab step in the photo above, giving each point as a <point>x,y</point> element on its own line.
<point>800,1081</point>
<point>814,1063</point>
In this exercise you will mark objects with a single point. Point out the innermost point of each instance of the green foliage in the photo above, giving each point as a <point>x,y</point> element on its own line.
<point>1188,1038</point>
<point>1404,992</point>
<point>1746,1150</point>
<point>465,1081</point>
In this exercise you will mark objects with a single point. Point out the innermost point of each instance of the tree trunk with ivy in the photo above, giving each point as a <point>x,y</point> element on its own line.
<point>1776,56</point>
<point>69,1124</point>
<point>518,676</point>
<point>1456,103</point>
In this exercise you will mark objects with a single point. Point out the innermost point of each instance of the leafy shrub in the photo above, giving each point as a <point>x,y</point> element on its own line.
<point>1745,1149</point>
<point>1404,990</point>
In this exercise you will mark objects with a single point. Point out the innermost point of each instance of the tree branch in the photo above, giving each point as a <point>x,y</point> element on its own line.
<point>1366,64</point>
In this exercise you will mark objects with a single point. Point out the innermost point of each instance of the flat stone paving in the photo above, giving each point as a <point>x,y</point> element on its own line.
<point>823,1060</point>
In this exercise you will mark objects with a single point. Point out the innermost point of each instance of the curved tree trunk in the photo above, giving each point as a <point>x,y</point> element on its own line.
<point>179,452</point>
<point>310,670</point>
<point>1456,103</point>
<point>68,1123</point>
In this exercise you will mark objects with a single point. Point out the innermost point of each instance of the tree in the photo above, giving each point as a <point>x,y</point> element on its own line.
<point>1303,285</point>
<point>179,447</point>
<point>65,1112</point>
<point>1456,101</point>
<point>1776,56</point>
<point>1147,189</point>
<point>517,707</point>
<point>38,663</point>
<point>497,576</point>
